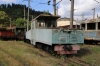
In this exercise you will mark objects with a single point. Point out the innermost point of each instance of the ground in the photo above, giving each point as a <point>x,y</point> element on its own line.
<point>18,53</point>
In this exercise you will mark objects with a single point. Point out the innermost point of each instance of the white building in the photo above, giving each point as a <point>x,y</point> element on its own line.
<point>64,22</point>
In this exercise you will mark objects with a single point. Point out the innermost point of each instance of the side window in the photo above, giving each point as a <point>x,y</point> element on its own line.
<point>91,26</point>
<point>40,24</point>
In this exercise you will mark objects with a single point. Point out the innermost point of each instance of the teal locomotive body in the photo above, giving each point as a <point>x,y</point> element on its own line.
<point>44,34</point>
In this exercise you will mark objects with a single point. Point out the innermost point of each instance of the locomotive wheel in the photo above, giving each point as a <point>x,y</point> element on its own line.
<point>47,48</point>
<point>39,45</point>
<point>96,42</point>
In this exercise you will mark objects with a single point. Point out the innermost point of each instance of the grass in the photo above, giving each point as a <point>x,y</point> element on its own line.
<point>21,54</point>
<point>18,53</point>
<point>91,54</point>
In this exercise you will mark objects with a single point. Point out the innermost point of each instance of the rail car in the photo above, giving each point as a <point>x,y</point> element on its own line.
<point>91,31</point>
<point>45,34</point>
<point>14,33</point>
<point>20,33</point>
<point>6,33</point>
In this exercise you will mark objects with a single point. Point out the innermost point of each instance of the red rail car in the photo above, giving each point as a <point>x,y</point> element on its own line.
<point>6,33</point>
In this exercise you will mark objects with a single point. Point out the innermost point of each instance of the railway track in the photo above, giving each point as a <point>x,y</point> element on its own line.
<point>73,60</point>
<point>77,61</point>
<point>22,62</point>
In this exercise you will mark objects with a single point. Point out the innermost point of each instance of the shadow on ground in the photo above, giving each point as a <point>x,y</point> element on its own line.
<point>83,52</point>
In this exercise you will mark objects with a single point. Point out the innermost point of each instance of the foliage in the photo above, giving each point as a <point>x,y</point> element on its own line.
<point>15,11</point>
<point>46,12</point>
<point>19,22</point>
<point>4,19</point>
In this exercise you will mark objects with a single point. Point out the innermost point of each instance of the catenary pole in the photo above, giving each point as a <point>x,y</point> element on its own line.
<point>28,15</point>
<point>93,13</point>
<point>24,15</point>
<point>82,16</point>
<point>54,6</point>
<point>71,14</point>
<point>10,22</point>
<point>57,11</point>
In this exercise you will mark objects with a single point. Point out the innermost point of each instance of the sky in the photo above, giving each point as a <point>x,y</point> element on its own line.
<point>81,7</point>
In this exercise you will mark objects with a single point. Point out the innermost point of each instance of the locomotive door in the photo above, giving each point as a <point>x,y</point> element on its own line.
<point>33,33</point>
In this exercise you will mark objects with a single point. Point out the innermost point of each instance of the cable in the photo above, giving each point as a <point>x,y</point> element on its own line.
<point>85,6</point>
<point>88,5</point>
<point>97,1</point>
<point>43,3</point>
<point>38,3</point>
<point>58,2</point>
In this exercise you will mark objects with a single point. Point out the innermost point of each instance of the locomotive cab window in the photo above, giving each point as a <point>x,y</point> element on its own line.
<point>40,23</point>
<point>99,25</point>
<point>50,23</point>
<point>91,26</point>
<point>46,21</point>
<point>45,24</point>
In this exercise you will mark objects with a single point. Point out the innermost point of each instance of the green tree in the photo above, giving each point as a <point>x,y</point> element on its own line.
<point>19,22</point>
<point>4,19</point>
<point>46,12</point>
<point>15,11</point>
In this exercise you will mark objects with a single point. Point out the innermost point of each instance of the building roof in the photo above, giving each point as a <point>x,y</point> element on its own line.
<point>46,17</point>
<point>64,19</point>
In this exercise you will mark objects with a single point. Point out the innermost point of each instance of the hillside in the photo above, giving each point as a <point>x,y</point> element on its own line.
<point>12,12</point>
<point>15,11</point>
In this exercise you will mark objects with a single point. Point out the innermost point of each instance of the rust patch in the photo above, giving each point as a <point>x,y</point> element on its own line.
<point>99,33</point>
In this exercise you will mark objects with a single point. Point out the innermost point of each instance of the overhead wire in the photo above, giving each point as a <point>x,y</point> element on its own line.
<point>85,6</point>
<point>40,3</point>
<point>58,2</point>
<point>37,4</point>
<point>97,1</point>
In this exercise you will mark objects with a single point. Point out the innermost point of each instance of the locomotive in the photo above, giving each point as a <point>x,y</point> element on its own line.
<point>45,34</point>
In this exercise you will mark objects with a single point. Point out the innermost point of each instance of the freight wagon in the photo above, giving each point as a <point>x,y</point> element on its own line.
<point>13,33</point>
<point>6,33</point>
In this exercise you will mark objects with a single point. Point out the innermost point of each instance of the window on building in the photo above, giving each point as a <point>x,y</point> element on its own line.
<point>91,26</point>
<point>99,25</point>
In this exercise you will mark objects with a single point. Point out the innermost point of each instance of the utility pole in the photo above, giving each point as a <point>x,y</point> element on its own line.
<point>10,22</point>
<point>32,16</point>
<point>54,5</point>
<point>71,14</point>
<point>93,13</point>
<point>28,15</point>
<point>57,11</point>
<point>82,16</point>
<point>24,15</point>
<point>97,15</point>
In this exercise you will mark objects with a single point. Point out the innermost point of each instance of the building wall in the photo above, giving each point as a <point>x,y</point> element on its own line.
<point>64,22</point>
